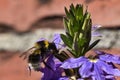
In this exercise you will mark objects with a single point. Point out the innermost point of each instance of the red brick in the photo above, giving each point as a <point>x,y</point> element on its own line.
<point>21,14</point>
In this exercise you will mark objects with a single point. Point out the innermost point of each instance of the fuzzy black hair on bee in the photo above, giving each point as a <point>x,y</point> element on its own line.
<point>38,53</point>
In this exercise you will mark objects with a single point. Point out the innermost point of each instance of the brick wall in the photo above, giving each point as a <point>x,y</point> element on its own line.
<point>22,22</point>
<point>20,15</point>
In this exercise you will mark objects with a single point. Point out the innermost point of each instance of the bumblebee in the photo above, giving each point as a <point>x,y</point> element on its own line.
<point>38,53</point>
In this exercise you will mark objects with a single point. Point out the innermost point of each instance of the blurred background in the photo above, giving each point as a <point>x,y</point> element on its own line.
<point>23,22</point>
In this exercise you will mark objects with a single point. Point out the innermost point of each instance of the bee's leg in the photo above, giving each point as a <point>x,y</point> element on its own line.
<point>29,70</point>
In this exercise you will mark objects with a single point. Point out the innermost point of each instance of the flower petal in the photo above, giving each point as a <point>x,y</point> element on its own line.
<point>49,74</point>
<point>108,68</point>
<point>64,78</point>
<point>73,62</point>
<point>96,34</point>
<point>110,77</point>
<point>95,27</point>
<point>46,72</point>
<point>98,73</point>
<point>108,57</point>
<point>57,40</point>
<point>86,69</point>
<point>50,62</point>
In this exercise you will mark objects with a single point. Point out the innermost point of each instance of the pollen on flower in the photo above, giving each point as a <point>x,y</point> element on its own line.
<point>93,60</point>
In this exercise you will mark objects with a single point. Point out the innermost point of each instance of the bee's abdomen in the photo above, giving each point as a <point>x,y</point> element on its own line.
<point>34,58</point>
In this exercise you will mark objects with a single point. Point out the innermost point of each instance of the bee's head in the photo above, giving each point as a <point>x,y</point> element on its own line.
<point>42,44</point>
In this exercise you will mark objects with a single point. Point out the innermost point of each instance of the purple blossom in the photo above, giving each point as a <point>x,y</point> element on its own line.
<point>52,71</point>
<point>67,78</point>
<point>108,57</point>
<point>63,78</point>
<point>94,32</point>
<point>95,27</point>
<point>95,69</point>
<point>58,41</point>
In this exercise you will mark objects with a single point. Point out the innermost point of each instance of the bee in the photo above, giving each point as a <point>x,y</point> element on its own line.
<point>38,53</point>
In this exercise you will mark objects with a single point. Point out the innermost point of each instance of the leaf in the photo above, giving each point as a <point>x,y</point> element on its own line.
<point>72,8</point>
<point>66,25</point>
<point>93,44</point>
<point>79,12</point>
<point>69,36</point>
<point>75,43</point>
<point>66,40</point>
<point>70,27</point>
<point>67,13</point>
<point>85,20</point>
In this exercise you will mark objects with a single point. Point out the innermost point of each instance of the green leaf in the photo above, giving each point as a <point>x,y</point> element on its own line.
<point>75,43</point>
<point>67,13</point>
<point>79,12</point>
<point>93,44</point>
<point>69,36</point>
<point>88,32</point>
<point>82,42</point>
<point>65,21</point>
<point>70,26</point>
<point>72,8</point>
<point>85,21</point>
<point>66,40</point>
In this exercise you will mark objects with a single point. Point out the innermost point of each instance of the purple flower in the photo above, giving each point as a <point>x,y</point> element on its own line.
<point>95,27</point>
<point>57,40</point>
<point>51,71</point>
<point>95,69</point>
<point>94,33</point>
<point>108,57</point>
<point>71,78</point>
<point>63,78</point>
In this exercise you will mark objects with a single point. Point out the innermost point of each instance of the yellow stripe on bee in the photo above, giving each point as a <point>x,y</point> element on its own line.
<point>46,44</point>
<point>37,46</point>
<point>37,52</point>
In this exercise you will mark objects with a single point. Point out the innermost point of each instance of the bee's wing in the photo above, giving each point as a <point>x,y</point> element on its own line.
<point>26,53</point>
